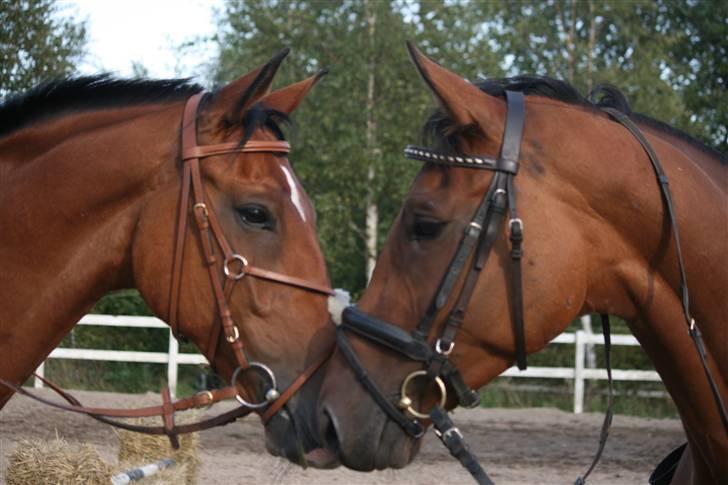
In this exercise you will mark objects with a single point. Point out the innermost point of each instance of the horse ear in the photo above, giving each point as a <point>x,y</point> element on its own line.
<point>233,99</point>
<point>287,99</point>
<point>465,102</point>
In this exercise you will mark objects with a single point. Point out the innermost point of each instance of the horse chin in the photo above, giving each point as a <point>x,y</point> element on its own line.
<point>376,446</point>
<point>295,442</point>
<point>396,449</point>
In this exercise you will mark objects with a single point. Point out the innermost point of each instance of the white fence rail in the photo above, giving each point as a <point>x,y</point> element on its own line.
<point>173,358</point>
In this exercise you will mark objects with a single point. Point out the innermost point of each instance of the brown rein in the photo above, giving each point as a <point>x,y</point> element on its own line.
<point>235,267</point>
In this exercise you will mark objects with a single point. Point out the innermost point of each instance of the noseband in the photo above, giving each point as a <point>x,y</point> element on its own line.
<point>475,246</point>
<point>227,266</point>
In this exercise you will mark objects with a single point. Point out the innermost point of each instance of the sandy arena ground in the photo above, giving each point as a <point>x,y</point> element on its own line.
<point>515,446</point>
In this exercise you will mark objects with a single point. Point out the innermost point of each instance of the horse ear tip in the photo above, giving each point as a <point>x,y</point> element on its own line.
<point>322,72</point>
<point>280,55</point>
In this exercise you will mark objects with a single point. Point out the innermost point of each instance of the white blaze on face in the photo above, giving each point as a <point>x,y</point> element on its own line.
<point>295,192</point>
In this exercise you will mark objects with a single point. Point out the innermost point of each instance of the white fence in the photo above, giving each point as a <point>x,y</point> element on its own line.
<point>579,373</point>
<point>172,357</point>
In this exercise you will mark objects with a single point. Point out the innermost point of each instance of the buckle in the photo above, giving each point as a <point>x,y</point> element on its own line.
<point>446,435</point>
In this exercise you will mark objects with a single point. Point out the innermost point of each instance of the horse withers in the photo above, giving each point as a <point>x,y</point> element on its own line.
<point>466,284</point>
<point>108,184</point>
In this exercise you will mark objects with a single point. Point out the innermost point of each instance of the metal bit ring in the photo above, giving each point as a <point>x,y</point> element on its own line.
<point>405,402</point>
<point>270,395</point>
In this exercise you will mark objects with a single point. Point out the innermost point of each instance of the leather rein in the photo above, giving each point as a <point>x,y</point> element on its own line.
<point>234,268</point>
<point>475,246</point>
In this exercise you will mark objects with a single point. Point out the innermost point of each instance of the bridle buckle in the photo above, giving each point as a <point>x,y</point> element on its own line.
<point>448,432</point>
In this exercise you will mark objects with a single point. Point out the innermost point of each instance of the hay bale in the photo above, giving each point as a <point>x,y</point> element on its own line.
<point>137,449</point>
<point>57,462</point>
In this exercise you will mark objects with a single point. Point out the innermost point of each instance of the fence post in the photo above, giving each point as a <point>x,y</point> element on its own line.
<point>37,383</point>
<point>172,364</point>
<point>579,371</point>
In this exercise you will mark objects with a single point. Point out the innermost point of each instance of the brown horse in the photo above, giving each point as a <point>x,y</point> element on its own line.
<point>90,181</point>
<point>597,239</point>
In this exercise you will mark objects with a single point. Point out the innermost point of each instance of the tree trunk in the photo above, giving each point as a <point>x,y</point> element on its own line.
<point>372,217</point>
<point>571,41</point>
<point>590,49</point>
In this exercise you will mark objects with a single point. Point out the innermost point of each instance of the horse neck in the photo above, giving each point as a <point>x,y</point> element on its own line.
<point>634,272</point>
<point>71,192</point>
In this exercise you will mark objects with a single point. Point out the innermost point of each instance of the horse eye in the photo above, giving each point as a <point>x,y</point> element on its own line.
<point>255,216</point>
<point>426,228</point>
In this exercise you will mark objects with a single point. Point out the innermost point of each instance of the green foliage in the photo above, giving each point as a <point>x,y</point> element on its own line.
<point>667,56</point>
<point>36,44</point>
<point>337,34</point>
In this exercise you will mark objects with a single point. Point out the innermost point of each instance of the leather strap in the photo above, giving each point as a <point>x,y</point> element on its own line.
<point>251,146</point>
<point>412,427</point>
<point>607,423</point>
<point>453,440</point>
<point>693,328</point>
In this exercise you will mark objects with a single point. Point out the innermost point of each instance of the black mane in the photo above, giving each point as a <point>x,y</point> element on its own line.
<point>441,132</point>
<point>88,93</point>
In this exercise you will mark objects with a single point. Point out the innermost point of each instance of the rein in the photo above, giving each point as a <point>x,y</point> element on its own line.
<point>234,268</point>
<point>475,246</point>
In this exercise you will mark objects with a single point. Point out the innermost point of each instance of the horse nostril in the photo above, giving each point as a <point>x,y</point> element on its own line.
<point>330,435</point>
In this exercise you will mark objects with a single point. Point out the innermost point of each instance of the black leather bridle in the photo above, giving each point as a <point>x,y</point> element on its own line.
<point>477,241</point>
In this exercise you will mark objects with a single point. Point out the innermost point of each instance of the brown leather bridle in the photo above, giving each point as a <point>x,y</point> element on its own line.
<point>234,268</point>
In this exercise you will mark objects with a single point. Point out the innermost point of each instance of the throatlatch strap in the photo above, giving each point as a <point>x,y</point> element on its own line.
<point>606,331</point>
<point>453,439</point>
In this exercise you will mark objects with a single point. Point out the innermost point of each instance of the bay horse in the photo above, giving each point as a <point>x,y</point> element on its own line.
<point>598,239</point>
<point>93,174</point>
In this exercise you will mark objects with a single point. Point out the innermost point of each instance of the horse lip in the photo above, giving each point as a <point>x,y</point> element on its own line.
<point>322,458</point>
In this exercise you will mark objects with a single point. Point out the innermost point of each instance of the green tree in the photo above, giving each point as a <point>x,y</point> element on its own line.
<point>667,56</point>
<point>371,105</point>
<point>36,44</point>
<point>699,66</point>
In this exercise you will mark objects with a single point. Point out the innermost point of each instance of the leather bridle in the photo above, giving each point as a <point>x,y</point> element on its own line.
<point>227,266</point>
<point>475,246</point>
